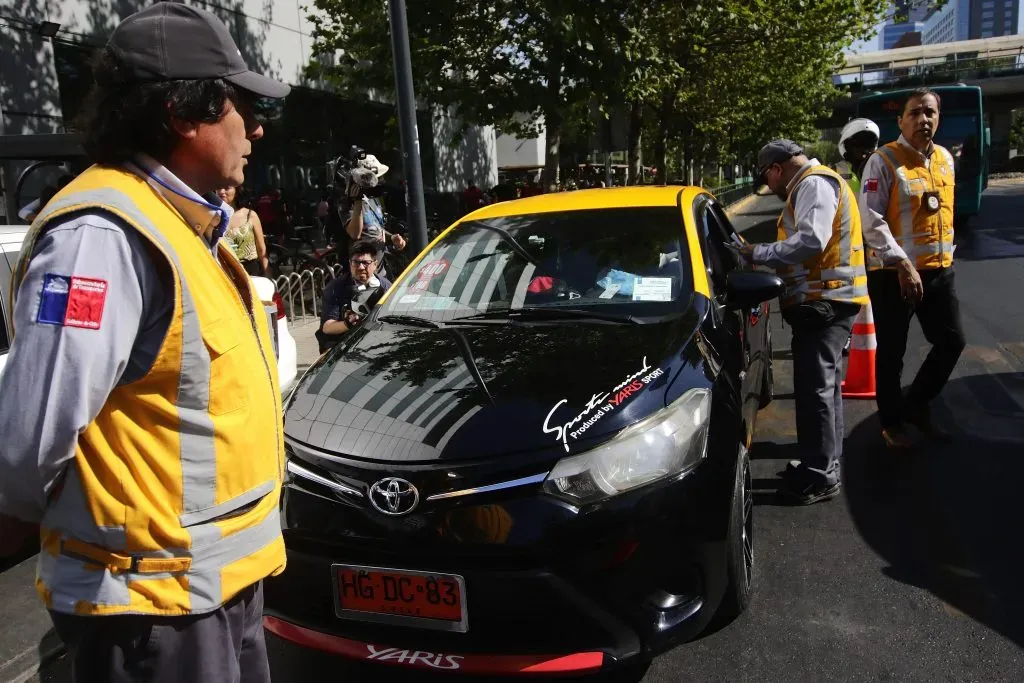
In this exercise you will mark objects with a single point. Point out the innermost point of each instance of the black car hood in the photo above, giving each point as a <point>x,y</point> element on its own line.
<point>409,394</point>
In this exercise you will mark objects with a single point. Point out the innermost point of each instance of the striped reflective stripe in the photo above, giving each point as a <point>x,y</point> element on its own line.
<point>904,233</point>
<point>845,235</point>
<point>197,453</point>
<point>864,343</point>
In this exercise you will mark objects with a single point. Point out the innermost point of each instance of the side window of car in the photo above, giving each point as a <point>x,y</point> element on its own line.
<point>717,232</point>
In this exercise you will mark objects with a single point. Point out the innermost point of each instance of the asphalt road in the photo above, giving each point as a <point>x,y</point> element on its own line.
<point>914,573</point>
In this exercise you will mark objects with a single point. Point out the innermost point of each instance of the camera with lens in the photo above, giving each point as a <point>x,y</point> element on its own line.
<point>351,171</point>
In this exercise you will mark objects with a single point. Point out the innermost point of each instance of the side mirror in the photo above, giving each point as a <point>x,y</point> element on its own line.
<point>748,288</point>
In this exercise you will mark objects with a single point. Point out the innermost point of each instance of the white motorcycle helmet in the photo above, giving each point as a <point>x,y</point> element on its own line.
<point>853,128</point>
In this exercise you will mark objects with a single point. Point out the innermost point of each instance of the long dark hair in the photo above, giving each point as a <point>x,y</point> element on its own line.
<point>123,117</point>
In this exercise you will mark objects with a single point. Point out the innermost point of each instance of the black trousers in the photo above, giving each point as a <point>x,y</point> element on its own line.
<point>939,315</point>
<point>223,646</point>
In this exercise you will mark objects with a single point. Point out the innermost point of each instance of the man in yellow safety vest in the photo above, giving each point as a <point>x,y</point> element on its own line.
<point>139,408</point>
<point>906,200</point>
<point>820,256</point>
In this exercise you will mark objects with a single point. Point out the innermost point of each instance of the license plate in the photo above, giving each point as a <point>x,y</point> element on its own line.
<point>401,596</point>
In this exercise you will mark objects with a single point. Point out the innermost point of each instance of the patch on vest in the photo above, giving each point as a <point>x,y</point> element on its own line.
<point>871,185</point>
<point>72,301</point>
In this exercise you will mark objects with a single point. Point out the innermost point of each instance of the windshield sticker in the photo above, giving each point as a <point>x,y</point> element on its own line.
<point>427,272</point>
<point>652,289</point>
<point>440,303</point>
<point>409,299</point>
<point>610,291</point>
<point>599,405</point>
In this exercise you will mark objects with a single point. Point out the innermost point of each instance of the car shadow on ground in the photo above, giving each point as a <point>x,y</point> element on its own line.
<point>946,518</point>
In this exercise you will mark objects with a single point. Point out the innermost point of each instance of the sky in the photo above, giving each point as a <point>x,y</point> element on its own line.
<point>869,45</point>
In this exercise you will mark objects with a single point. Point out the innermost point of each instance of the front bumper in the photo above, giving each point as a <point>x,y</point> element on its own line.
<point>571,591</point>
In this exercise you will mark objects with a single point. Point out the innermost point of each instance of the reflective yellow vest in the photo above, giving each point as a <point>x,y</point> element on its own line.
<point>925,235</point>
<point>170,505</point>
<point>838,273</point>
<point>845,170</point>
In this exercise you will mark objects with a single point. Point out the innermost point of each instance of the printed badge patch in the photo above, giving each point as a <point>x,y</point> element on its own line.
<point>871,185</point>
<point>72,301</point>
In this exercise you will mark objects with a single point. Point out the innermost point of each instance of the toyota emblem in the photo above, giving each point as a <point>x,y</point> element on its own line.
<point>394,496</point>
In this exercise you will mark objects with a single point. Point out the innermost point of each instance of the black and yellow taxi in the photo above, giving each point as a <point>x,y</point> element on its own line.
<point>532,457</point>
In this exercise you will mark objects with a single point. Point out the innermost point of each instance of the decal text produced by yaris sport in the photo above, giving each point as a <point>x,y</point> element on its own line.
<point>597,407</point>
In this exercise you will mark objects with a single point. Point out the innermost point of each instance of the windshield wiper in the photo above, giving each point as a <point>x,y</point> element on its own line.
<point>414,320</point>
<point>553,313</point>
<point>512,242</point>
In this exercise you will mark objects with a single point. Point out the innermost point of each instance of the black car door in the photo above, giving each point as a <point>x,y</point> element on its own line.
<point>749,326</point>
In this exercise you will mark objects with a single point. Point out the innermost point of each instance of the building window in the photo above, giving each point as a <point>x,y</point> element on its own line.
<point>986,34</point>
<point>986,15</point>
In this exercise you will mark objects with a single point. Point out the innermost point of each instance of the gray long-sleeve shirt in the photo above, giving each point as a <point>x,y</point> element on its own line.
<point>814,207</point>
<point>59,374</point>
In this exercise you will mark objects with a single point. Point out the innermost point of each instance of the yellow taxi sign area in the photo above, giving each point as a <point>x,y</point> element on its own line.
<point>593,200</point>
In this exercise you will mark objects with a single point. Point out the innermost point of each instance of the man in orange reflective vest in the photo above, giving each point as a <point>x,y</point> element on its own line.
<point>139,408</point>
<point>820,256</point>
<point>907,204</point>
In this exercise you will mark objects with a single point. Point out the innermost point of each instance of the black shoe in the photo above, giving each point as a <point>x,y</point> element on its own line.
<point>798,493</point>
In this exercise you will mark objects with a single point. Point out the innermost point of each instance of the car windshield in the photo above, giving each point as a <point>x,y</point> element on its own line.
<point>622,261</point>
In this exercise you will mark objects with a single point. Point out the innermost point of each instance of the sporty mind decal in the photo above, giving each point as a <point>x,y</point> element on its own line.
<point>599,405</point>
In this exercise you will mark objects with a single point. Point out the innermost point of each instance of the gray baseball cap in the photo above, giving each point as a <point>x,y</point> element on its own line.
<point>171,41</point>
<point>776,152</point>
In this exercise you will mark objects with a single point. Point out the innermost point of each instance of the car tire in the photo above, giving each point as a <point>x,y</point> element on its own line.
<point>740,557</point>
<point>768,381</point>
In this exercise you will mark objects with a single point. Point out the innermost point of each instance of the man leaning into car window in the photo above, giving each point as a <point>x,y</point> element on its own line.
<point>349,298</point>
<point>820,256</point>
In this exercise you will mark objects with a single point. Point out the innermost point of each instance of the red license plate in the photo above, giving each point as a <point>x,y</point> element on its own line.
<point>401,596</point>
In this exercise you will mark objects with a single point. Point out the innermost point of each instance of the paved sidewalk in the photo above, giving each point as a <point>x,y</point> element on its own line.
<point>303,331</point>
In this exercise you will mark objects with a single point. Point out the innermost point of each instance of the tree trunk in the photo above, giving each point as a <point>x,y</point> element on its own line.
<point>661,154</point>
<point>552,159</point>
<point>661,139</point>
<point>636,121</point>
<point>553,123</point>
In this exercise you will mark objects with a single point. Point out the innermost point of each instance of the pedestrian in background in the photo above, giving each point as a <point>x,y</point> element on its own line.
<point>820,256</point>
<point>139,408</point>
<point>245,232</point>
<point>907,203</point>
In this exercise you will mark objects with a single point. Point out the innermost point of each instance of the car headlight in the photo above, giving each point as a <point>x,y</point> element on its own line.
<point>668,443</point>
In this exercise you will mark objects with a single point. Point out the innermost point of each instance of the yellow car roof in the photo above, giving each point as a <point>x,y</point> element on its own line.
<point>579,200</point>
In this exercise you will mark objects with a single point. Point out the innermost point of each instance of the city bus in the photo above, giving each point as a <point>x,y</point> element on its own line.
<point>961,130</point>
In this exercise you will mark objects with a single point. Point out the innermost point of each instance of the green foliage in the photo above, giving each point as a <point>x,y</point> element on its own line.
<point>705,80</point>
<point>825,151</point>
<point>1017,131</point>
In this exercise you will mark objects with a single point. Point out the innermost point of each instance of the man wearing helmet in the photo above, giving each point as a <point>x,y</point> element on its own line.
<point>857,142</point>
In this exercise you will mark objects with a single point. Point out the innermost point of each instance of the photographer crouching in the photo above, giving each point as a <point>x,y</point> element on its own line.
<point>367,219</point>
<point>350,298</point>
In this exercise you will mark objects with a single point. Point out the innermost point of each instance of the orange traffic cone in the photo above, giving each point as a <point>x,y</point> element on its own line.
<point>860,365</point>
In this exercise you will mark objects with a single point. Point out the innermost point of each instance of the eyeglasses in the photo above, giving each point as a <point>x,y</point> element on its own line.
<point>362,263</point>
